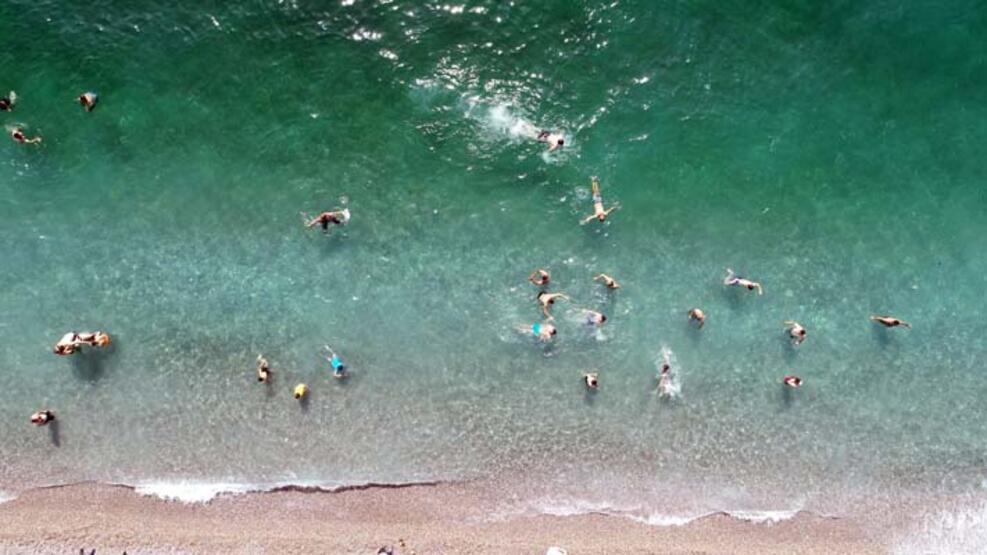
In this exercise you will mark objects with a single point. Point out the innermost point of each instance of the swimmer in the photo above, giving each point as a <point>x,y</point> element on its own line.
<point>7,102</point>
<point>598,211</point>
<point>792,381</point>
<point>665,377</point>
<point>17,134</point>
<point>88,100</point>
<point>540,277</point>
<point>337,217</point>
<point>70,342</point>
<point>543,332</point>
<point>94,339</point>
<point>338,368</point>
<point>591,380</point>
<point>263,369</point>
<point>594,318</point>
<point>795,331</point>
<point>554,141</point>
<point>301,390</point>
<point>608,281</point>
<point>889,322</point>
<point>548,299</point>
<point>697,315</point>
<point>733,279</point>
<point>42,418</point>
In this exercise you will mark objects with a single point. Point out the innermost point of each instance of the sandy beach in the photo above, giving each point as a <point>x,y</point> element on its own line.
<point>430,519</point>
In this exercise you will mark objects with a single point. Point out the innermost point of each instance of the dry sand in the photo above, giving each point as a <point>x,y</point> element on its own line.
<point>444,518</point>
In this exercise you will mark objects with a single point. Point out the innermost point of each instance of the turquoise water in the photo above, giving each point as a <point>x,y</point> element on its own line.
<point>833,152</point>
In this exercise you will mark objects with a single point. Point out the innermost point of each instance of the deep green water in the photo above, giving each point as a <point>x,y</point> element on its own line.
<point>833,151</point>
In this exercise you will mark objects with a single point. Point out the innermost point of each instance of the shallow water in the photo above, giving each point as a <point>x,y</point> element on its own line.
<point>831,152</point>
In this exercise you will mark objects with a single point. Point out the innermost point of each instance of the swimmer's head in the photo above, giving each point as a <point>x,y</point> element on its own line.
<point>603,318</point>
<point>601,216</point>
<point>801,332</point>
<point>561,141</point>
<point>554,331</point>
<point>750,286</point>
<point>101,339</point>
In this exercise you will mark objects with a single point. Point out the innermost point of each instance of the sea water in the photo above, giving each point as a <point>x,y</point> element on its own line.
<point>831,151</point>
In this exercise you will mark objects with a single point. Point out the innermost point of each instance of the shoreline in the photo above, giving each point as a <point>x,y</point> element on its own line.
<point>431,518</point>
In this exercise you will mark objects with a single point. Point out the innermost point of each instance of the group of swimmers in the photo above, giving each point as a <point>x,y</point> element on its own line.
<point>301,391</point>
<point>73,342</point>
<point>545,331</point>
<point>87,100</point>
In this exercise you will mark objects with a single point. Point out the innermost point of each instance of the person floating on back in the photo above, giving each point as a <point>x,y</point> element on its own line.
<point>88,100</point>
<point>546,300</point>
<point>338,368</point>
<point>792,381</point>
<point>17,134</point>
<point>540,277</point>
<point>554,141</point>
<point>335,217</point>
<point>7,102</point>
<point>608,281</point>
<point>796,332</point>
<point>72,341</point>
<point>735,280</point>
<point>697,315</point>
<point>889,322</point>
<point>42,418</point>
<point>263,369</point>
<point>599,213</point>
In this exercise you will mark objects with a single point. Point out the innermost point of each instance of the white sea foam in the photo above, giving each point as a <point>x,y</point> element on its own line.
<point>583,507</point>
<point>958,531</point>
<point>194,492</point>
<point>763,517</point>
<point>5,497</point>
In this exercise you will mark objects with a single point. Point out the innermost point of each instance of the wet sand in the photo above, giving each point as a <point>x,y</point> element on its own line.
<point>443,518</point>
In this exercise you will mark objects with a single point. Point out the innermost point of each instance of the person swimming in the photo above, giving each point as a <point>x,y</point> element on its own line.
<point>795,331</point>
<point>698,316</point>
<point>263,369</point>
<point>599,213</point>
<point>301,390</point>
<point>42,418</point>
<point>792,381</point>
<point>7,102</point>
<point>594,318</point>
<point>543,332</point>
<point>735,280</point>
<point>88,100</point>
<point>591,380</point>
<point>664,388</point>
<point>889,322</point>
<point>554,141</point>
<point>70,342</point>
<point>548,299</point>
<point>540,277</point>
<point>608,281</point>
<point>338,368</point>
<point>336,217</point>
<point>17,134</point>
